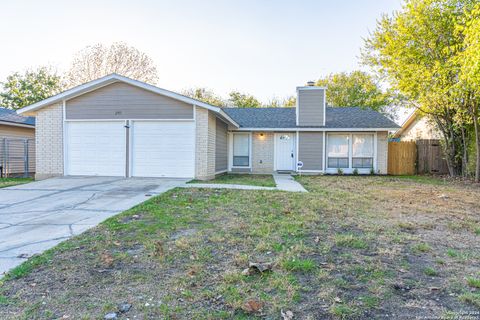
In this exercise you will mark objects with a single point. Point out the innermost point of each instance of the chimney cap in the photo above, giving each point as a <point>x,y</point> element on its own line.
<point>310,83</point>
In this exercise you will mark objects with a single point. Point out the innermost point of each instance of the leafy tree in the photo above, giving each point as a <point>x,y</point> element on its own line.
<point>99,60</point>
<point>356,89</point>
<point>205,95</point>
<point>242,100</point>
<point>290,101</point>
<point>23,89</point>
<point>414,49</point>
<point>468,86</point>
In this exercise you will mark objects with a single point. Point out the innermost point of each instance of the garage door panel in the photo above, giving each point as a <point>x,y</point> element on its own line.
<point>163,149</point>
<point>96,148</point>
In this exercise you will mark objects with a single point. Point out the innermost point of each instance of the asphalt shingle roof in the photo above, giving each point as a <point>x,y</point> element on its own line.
<point>345,117</point>
<point>7,115</point>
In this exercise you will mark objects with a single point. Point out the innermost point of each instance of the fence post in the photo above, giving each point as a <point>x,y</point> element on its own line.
<point>4,158</point>
<point>25,158</point>
<point>7,163</point>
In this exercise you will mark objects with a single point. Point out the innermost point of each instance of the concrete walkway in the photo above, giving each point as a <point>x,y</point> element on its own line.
<point>36,216</point>
<point>285,182</point>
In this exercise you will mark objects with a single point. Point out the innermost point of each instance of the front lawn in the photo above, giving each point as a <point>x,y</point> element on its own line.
<point>261,180</point>
<point>9,182</point>
<point>353,247</point>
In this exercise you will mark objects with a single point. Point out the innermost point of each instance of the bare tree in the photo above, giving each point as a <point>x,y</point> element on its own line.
<point>100,60</point>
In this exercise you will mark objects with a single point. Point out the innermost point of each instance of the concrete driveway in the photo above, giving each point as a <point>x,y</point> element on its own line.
<point>36,216</point>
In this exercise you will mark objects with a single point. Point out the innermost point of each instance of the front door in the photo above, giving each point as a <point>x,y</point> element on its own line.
<point>285,151</point>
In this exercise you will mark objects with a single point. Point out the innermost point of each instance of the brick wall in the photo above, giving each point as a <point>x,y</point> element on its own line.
<point>263,152</point>
<point>382,152</point>
<point>49,142</point>
<point>205,144</point>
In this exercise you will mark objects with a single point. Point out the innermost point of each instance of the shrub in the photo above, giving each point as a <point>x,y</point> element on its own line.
<point>340,171</point>
<point>355,172</point>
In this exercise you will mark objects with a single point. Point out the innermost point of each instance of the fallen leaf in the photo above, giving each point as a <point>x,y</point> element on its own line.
<point>159,252</point>
<point>252,306</point>
<point>259,266</point>
<point>107,259</point>
<point>287,315</point>
<point>338,300</point>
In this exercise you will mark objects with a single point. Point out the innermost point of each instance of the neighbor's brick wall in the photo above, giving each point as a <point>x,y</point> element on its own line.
<point>262,152</point>
<point>212,134</point>
<point>49,142</point>
<point>382,152</point>
<point>205,144</point>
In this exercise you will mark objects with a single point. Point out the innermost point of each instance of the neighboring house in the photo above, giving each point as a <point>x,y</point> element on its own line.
<point>17,134</point>
<point>116,126</point>
<point>417,127</point>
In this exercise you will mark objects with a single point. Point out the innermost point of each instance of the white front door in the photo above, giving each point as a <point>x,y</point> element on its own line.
<point>285,151</point>
<point>163,149</point>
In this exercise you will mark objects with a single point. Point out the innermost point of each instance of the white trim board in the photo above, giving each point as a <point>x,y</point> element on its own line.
<point>14,124</point>
<point>315,129</point>
<point>133,119</point>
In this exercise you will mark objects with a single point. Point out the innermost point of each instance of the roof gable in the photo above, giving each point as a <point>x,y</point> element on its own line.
<point>112,78</point>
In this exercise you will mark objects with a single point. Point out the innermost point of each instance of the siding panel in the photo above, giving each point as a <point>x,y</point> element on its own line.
<point>123,101</point>
<point>310,150</point>
<point>311,107</point>
<point>221,147</point>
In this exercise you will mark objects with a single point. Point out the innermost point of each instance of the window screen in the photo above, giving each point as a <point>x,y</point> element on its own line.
<point>241,150</point>
<point>337,151</point>
<point>362,151</point>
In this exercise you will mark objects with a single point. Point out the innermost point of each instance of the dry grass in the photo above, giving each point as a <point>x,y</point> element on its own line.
<point>353,247</point>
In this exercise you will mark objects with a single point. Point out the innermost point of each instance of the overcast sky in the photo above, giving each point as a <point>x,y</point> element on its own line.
<point>262,47</point>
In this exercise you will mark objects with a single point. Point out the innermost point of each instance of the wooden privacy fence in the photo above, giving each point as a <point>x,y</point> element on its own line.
<point>402,157</point>
<point>430,157</point>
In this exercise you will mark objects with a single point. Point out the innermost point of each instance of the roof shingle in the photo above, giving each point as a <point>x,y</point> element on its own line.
<point>344,117</point>
<point>7,115</point>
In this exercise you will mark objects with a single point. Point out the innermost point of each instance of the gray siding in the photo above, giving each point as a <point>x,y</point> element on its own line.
<point>221,147</point>
<point>311,107</point>
<point>123,101</point>
<point>310,150</point>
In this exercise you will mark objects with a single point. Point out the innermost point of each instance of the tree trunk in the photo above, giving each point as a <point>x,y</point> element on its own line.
<point>465,172</point>
<point>477,143</point>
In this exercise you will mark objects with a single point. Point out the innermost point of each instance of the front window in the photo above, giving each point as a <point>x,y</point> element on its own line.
<point>337,152</point>
<point>362,151</point>
<point>241,150</point>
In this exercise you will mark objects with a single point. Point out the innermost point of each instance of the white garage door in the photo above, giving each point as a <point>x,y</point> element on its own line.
<point>163,149</point>
<point>96,148</point>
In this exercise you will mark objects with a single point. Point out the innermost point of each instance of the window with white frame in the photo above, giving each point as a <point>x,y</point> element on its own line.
<point>241,150</point>
<point>337,151</point>
<point>362,151</point>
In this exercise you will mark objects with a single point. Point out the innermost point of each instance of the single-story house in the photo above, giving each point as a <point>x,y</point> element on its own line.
<point>116,126</point>
<point>17,140</point>
<point>417,127</point>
